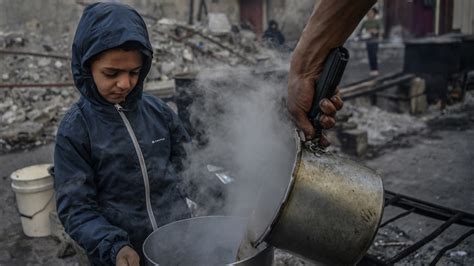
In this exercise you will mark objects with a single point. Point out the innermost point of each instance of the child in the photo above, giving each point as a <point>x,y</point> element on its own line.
<point>115,150</point>
<point>372,31</point>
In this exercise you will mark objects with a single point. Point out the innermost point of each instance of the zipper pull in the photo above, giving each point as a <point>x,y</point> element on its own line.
<point>118,107</point>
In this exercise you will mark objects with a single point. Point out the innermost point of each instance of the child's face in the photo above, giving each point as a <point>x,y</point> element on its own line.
<point>115,73</point>
<point>371,14</point>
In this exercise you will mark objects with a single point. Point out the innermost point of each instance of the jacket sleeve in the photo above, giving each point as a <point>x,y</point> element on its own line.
<point>76,196</point>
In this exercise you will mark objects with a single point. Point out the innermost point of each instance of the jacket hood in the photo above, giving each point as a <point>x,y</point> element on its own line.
<point>104,26</point>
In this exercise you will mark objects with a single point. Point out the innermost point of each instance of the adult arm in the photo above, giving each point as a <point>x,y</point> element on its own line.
<point>330,24</point>
<point>76,195</point>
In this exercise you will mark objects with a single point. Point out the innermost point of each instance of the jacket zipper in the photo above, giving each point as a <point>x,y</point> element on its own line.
<point>141,159</point>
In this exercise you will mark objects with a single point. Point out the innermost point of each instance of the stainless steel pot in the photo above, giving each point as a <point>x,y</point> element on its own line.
<point>329,212</point>
<point>206,241</point>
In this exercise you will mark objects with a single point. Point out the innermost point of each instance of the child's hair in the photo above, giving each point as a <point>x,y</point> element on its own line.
<point>126,46</point>
<point>130,46</point>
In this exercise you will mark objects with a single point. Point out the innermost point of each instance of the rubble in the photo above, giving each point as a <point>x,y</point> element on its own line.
<point>29,114</point>
<point>382,126</point>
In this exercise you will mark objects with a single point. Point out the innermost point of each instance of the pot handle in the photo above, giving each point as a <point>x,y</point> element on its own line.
<point>334,66</point>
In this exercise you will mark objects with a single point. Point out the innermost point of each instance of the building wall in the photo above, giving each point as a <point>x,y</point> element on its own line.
<point>45,16</point>
<point>229,7</point>
<point>56,16</point>
<point>463,16</point>
<point>179,9</point>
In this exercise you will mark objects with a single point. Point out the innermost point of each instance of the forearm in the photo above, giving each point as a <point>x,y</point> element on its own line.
<point>77,206</point>
<point>330,24</point>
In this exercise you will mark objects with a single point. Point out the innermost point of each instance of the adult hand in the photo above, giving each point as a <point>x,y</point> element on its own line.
<point>127,257</point>
<point>300,99</point>
<point>324,30</point>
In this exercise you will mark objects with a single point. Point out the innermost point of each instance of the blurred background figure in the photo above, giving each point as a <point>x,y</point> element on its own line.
<point>273,35</point>
<point>371,31</point>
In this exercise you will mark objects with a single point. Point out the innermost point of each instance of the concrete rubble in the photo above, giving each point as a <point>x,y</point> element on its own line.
<point>29,116</point>
<point>382,126</point>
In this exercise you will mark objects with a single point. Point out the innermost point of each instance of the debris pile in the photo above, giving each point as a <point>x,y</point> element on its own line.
<point>382,127</point>
<point>29,115</point>
<point>17,66</point>
<point>182,49</point>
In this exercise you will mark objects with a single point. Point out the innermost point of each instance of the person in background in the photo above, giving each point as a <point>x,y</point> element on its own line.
<point>117,149</point>
<point>371,32</point>
<point>273,35</point>
<point>328,27</point>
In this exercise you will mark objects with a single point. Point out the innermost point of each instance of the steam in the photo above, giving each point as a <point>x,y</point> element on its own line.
<point>242,126</point>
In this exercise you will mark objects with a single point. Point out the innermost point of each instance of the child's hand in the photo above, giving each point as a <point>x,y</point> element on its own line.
<point>127,257</point>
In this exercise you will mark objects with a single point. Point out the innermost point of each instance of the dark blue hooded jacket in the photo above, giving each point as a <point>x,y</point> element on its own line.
<point>114,177</point>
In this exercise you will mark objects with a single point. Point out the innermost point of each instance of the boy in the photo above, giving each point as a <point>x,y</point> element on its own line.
<point>115,148</point>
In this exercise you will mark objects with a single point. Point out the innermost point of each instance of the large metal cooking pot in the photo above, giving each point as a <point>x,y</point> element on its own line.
<point>206,241</point>
<point>433,55</point>
<point>466,51</point>
<point>329,212</point>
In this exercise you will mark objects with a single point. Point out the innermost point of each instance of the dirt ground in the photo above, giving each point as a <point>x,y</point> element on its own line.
<point>436,168</point>
<point>434,164</point>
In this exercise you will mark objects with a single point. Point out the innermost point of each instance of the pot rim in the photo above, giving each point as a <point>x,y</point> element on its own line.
<point>276,217</point>
<point>267,248</point>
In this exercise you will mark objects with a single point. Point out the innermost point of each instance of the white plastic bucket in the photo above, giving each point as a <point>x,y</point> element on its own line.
<point>33,187</point>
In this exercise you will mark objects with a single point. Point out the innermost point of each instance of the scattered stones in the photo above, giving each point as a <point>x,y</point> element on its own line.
<point>29,116</point>
<point>42,62</point>
<point>58,64</point>
<point>354,141</point>
<point>459,253</point>
<point>381,126</point>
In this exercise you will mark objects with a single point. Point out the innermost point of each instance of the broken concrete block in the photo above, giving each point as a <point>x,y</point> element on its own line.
<point>58,64</point>
<point>167,21</point>
<point>167,67</point>
<point>354,141</point>
<point>8,117</point>
<point>25,131</point>
<point>219,23</point>
<point>44,62</point>
<point>161,89</point>
<point>188,55</point>
<point>418,100</point>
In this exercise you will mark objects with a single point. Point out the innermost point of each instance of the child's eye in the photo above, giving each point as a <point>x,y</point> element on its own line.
<point>110,74</point>
<point>135,73</point>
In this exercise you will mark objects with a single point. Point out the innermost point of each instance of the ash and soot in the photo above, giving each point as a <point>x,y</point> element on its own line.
<point>242,125</point>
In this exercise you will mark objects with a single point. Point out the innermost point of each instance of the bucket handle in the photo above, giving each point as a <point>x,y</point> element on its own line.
<point>40,210</point>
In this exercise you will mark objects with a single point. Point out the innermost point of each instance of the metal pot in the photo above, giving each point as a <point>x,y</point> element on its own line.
<point>206,241</point>
<point>466,51</point>
<point>330,210</point>
<point>432,55</point>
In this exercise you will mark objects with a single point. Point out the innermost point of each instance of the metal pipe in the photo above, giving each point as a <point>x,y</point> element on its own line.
<point>437,17</point>
<point>451,246</point>
<point>428,209</point>
<point>425,240</point>
<point>37,85</point>
<point>403,214</point>
<point>191,12</point>
<point>349,93</point>
<point>65,57</point>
